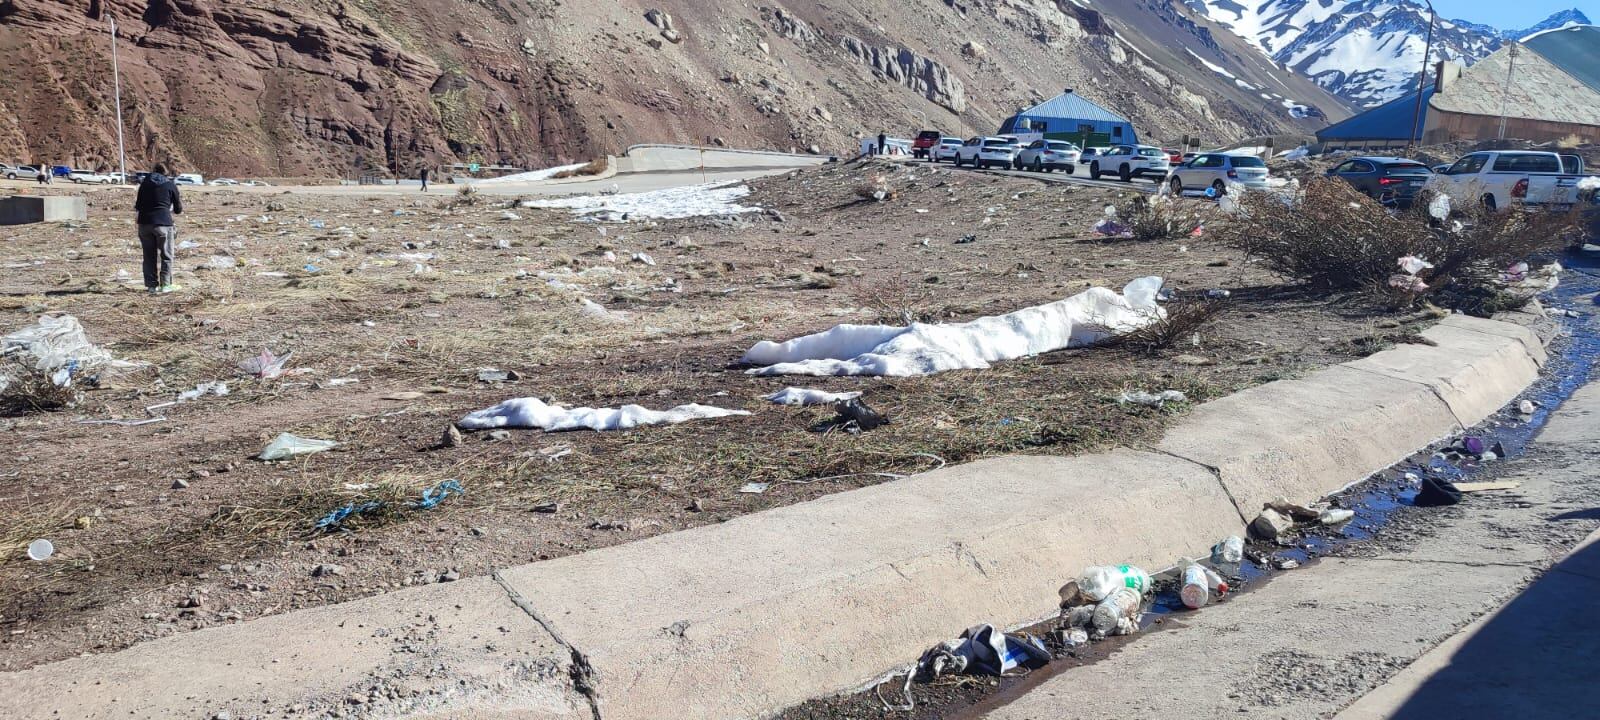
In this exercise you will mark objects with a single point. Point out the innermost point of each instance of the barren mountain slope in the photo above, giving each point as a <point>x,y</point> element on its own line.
<point>317,87</point>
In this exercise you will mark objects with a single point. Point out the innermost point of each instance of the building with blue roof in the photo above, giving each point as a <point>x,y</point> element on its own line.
<point>1074,118</point>
<point>1387,125</point>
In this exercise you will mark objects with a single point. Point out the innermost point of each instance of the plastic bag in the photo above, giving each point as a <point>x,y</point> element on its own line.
<point>288,446</point>
<point>266,365</point>
<point>57,345</point>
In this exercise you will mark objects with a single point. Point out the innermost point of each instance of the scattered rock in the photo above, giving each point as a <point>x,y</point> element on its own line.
<point>326,570</point>
<point>450,575</point>
<point>199,474</point>
<point>180,484</point>
<point>697,505</point>
<point>814,149</point>
<point>499,435</point>
<point>671,36</point>
<point>1270,524</point>
<point>822,112</point>
<point>973,49</point>
<point>548,508</point>
<point>451,437</point>
<point>528,48</point>
<point>190,602</point>
<point>658,18</point>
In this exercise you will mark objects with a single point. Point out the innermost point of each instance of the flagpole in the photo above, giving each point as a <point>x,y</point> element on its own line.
<point>116,79</point>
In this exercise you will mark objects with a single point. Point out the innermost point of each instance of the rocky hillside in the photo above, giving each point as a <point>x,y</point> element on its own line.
<point>1367,51</point>
<point>332,88</point>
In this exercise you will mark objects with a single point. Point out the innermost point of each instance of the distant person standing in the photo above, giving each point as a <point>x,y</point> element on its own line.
<point>424,179</point>
<point>883,141</point>
<point>43,178</point>
<point>156,203</point>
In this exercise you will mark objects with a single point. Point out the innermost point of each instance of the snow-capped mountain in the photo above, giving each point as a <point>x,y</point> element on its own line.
<point>1369,51</point>
<point>1559,20</point>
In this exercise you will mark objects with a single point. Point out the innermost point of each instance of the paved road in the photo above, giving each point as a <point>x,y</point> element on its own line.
<point>1080,176</point>
<point>1312,641</point>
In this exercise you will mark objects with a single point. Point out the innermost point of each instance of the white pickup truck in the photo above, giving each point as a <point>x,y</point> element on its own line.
<point>1501,179</point>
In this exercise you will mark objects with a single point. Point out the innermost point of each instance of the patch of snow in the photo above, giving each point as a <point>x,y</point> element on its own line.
<point>1218,69</point>
<point>923,349</point>
<point>532,175</point>
<point>809,396</point>
<point>664,204</point>
<point>531,412</point>
<point>1589,183</point>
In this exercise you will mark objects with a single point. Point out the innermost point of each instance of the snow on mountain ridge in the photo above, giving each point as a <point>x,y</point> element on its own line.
<point>1369,51</point>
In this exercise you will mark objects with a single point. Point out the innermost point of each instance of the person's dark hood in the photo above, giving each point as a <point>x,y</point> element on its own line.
<point>156,179</point>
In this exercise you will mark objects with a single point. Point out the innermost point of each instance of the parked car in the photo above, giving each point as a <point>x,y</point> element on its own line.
<point>260,183</point>
<point>1218,170</point>
<point>189,179</point>
<point>1174,155</point>
<point>985,152</point>
<point>945,150</point>
<point>1048,155</point>
<point>925,141</point>
<point>1189,156</point>
<point>224,181</point>
<point>19,172</point>
<point>1501,179</point>
<point>1391,180</point>
<point>90,176</point>
<point>1131,161</point>
<point>60,171</point>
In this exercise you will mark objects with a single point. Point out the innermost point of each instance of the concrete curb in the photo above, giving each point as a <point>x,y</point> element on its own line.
<point>767,610</point>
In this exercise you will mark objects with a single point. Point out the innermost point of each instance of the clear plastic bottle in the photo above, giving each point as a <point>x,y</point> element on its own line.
<point>1117,612</point>
<point>1230,551</point>
<point>1099,581</point>
<point>1198,583</point>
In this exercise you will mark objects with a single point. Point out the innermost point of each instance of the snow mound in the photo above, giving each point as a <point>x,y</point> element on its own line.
<point>809,396</point>
<point>664,204</point>
<point>923,349</point>
<point>534,413</point>
<point>532,175</point>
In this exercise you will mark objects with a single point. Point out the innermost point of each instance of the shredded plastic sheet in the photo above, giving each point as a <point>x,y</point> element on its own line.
<point>923,349</point>
<point>809,396</point>
<point>266,365</point>
<point>665,204</point>
<point>430,497</point>
<point>56,344</point>
<point>287,445</point>
<point>531,412</point>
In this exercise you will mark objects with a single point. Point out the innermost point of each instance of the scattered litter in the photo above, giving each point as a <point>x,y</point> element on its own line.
<point>215,387</point>
<point>754,488</point>
<point>430,497</point>
<point>1109,225</point>
<point>287,445</point>
<point>665,204</point>
<point>555,452</point>
<point>266,365</point>
<point>531,412</point>
<point>1413,265</point>
<point>808,396</point>
<point>986,651</point>
<point>336,382</point>
<point>645,258</point>
<point>966,239</point>
<point>591,309</point>
<point>855,416</point>
<point>1270,524</point>
<point>221,262</point>
<point>1527,407</point>
<point>495,375</point>
<point>922,349</point>
<point>1470,487</point>
<point>403,395</point>
<point>1097,582</point>
<point>1436,492</point>
<point>1140,397</point>
<point>311,268</point>
<point>123,423</point>
<point>1334,516</point>
<point>1438,209</point>
<point>1293,510</point>
<point>57,345</point>
<point>1228,552</point>
<point>41,549</point>
<point>508,215</point>
<point>1285,563</point>
<point>1199,582</point>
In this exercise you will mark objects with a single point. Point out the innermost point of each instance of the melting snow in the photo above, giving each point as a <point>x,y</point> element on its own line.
<point>922,349</point>
<point>532,175</point>
<point>534,413</point>
<point>809,396</point>
<point>665,204</point>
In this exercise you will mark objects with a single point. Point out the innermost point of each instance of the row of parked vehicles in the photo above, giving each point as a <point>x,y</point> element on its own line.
<point>1496,179</point>
<point>91,177</point>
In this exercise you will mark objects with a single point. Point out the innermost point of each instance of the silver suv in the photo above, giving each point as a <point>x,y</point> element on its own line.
<point>1047,155</point>
<point>1218,170</point>
<point>1131,161</point>
<point>985,152</point>
<point>18,172</point>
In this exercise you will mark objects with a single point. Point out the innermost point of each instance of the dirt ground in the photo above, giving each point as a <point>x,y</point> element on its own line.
<point>172,526</point>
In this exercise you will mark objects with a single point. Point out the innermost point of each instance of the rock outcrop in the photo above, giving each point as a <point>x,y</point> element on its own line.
<point>922,74</point>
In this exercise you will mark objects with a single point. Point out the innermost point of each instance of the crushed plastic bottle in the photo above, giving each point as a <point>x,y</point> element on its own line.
<point>1230,551</point>
<point>1198,583</point>
<point>1334,516</point>
<point>1118,613</point>
<point>1099,581</point>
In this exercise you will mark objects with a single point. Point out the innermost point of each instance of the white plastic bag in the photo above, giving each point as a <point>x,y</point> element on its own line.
<point>288,446</point>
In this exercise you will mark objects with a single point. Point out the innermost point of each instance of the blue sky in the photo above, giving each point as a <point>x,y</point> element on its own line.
<point>1508,15</point>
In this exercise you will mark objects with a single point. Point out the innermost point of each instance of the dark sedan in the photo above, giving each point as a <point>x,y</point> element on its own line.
<point>1391,180</point>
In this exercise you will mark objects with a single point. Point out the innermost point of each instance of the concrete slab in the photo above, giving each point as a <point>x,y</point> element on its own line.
<point>24,209</point>
<point>764,611</point>
<point>1506,325</point>
<point>1475,372</point>
<point>433,648</point>
<point>1304,438</point>
<point>680,158</point>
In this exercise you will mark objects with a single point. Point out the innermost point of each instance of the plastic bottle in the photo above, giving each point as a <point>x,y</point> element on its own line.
<point>1229,551</point>
<point>1198,582</point>
<point>1121,605</point>
<point>1098,582</point>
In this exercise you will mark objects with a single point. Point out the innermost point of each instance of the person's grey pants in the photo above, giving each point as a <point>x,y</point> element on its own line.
<point>156,240</point>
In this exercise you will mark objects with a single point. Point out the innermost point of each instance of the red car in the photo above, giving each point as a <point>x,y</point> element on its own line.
<point>1175,156</point>
<point>923,145</point>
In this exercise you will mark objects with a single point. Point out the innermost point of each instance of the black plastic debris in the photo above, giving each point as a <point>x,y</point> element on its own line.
<point>1436,493</point>
<point>855,416</point>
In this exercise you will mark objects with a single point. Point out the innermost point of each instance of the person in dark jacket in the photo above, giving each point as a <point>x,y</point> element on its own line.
<point>157,202</point>
<point>883,141</point>
<point>424,179</point>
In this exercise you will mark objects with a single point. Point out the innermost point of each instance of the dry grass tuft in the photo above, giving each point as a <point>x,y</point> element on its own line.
<point>593,167</point>
<point>1184,318</point>
<point>29,390</point>
<point>1159,217</point>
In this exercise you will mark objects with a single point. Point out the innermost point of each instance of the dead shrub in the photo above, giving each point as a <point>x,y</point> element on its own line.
<point>1332,237</point>
<point>24,388</point>
<point>467,196</point>
<point>593,167</point>
<point>1183,319</point>
<point>1159,217</point>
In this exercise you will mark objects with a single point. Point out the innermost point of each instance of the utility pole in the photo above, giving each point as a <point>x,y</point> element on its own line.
<point>116,79</point>
<point>1505,93</point>
<point>1427,49</point>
